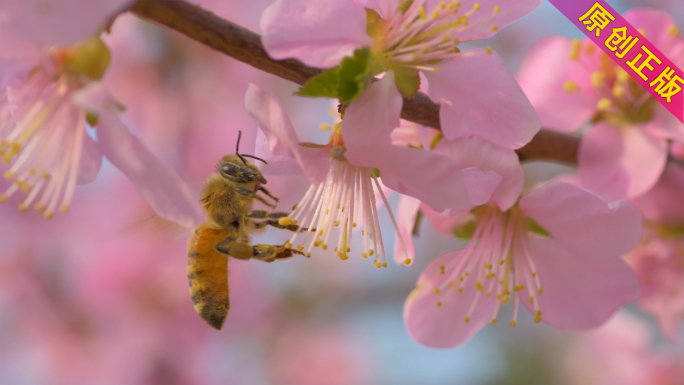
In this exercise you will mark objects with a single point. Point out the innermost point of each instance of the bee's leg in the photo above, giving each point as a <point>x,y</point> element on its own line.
<point>265,214</point>
<point>245,251</point>
<point>276,224</point>
<point>247,193</point>
<point>268,193</point>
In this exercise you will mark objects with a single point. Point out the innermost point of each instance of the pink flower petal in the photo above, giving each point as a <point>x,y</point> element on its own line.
<point>407,212</point>
<point>280,162</point>
<point>446,221</point>
<point>269,115</point>
<point>481,22</point>
<point>91,161</point>
<point>60,22</point>
<point>426,175</point>
<point>665,125</point>
<point>570,213</point>
<point>319,33</point>
<point>581,290</point>
<point>656,25</point>
<point>664,203</point>
<point>373,115</point>
<point>543,72</point>
<point>620,163</point>
<point>477,152</point>
<point>159,185</point>
<point>444,326</point>
<point>479,96</point>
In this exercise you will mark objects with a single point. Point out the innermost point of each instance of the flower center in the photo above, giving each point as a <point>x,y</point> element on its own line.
<point>623,101</point>
<point>345,199</point>
<point>418,38</point>
<point>497,262</point>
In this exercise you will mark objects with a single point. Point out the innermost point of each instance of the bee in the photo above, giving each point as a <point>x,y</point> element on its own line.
<point>227,198</point>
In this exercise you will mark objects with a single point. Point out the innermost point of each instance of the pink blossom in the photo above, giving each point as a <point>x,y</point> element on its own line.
<point>659,259</point>
<point>478,95</point>
<point>556,251</point>
<point>343,180</point>
<point>43,117</point>
<point>572,82</point>
<point>622,352</point>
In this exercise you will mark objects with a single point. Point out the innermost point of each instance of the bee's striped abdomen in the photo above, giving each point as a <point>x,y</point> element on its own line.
<point>208,274</point>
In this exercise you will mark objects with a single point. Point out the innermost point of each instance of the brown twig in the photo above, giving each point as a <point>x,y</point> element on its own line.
<point>245,45</point>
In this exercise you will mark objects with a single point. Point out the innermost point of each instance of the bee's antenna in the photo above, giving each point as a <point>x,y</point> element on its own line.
<point>237,148</point>
<point>255,157</point>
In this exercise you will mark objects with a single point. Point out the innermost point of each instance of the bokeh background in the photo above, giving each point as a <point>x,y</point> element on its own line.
<point>91,297</point>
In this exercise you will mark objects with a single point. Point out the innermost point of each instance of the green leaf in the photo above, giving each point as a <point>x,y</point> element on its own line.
<point>321,86</point>
<point>407,81</point>
<point>355,74</point>
<point>346,81</point>
<point>535,228</point>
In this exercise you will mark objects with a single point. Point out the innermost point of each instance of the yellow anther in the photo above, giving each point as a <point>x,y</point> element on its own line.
<point>505,300</point>
<point>597,79</point>
<point>8,174</point>
<point>343,257</point>
<point>371,252</point>
<point>589,49</point>
<point>461,278</point>
<point>537,319</point>
<point>534,274</point>
<point>25,187</point>
<point>64,208</point>
<point>466,319</point>
<point>48,214</point>
<point>384,264</point>
<point>300,248</point>
<point>519,287</point>
<point>496,10</point>
<point>513,323</point>
<point>45,174</point>
<point>493,320</point>
<point>441,5</point>
<point>622,75</point>
<point>324,246</point>
<point>294,221</point>
<point>439,303</point>
<point>575,49</point>
<point>348,249</point>
<point>39,207</point>
<point>618,91</point>
<point>476,7</point>
<point>478,286</point>
<point>320,233</point>
<point>364,255</point>
<point>531,299</point>
<point>4,198</point>
<point>317,243</point>
<point>488,266</point>
<point>501,282</point>
<point>407,261</point>
<point>540,290</point>
<point>436,290</point>
<point>324,127</point>
<point>442,269</point>
<point>459,289</point>
<point>435,14</point>
<point>494,28</point>
<point>377,263</point>
<point>501,262</point>
<point>498,296</point>
<point>489,50</point>
<point>436,69</point>
<point>421,13</point>
<point>336,223</point>
<point>673,30</point>
<point>467,273</point>
<point>570,86</point>
<point>287,245</point>
<point>354,224</point>
<point>23,207</point>
<point>284,221</point>
<point>452,284</point>
<point>488,293</point>
<point>604,104</point>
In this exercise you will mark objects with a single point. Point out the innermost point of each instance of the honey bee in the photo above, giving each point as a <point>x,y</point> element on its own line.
<point>227,198</point>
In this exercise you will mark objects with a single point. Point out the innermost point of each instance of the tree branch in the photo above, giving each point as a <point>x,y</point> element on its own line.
<point>245,45</point>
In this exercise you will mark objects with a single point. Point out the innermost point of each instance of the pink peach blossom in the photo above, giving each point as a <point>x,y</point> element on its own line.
<point>556,251</point>
<point>477,93</point>
<point>343,180</point>
<point>572,82</point>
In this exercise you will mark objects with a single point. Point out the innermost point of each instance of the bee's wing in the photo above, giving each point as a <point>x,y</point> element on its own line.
<point>157,226</point>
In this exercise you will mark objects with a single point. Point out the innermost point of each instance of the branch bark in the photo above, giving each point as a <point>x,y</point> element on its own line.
<point>245,45</point>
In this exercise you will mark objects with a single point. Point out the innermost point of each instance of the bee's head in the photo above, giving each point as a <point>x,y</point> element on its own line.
<point>239,170</point>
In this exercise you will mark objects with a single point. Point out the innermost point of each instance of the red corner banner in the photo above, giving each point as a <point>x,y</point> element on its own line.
<point>630,49</point>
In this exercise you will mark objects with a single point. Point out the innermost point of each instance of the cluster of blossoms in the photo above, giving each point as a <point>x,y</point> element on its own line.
<point>556,250</point>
